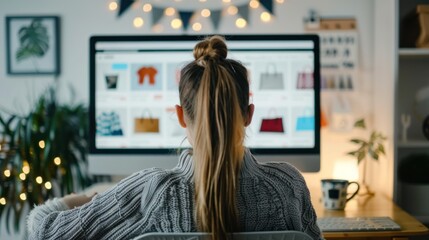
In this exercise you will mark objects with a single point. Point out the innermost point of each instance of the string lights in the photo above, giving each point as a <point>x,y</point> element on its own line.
<point>181,19</point>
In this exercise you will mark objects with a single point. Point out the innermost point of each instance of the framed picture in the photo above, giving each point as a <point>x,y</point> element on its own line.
<point>33,45</point>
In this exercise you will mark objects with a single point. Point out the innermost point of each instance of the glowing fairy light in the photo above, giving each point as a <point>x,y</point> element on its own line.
<point>22,176</point>
<point>176,23</point>
<point>232,10</point>
<point>197,27</point>
<point>254,4</point>
<point>240,23</point>
<point>113,6</point>
<point>170,11</point>
<point>147,7</point>
<point>57,161</point>
<point>39,180</point>
<point>205,13</point>
<point>25,167</point>
<point>23,196</point>
<point>138,22</point>
<point>265,17</point>
<point>48,185</point>
<point>42,144</point>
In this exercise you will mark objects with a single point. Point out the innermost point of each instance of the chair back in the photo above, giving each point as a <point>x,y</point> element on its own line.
<point>267,235</point>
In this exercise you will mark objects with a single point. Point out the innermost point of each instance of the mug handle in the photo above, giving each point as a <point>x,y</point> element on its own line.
<point>356,192</point>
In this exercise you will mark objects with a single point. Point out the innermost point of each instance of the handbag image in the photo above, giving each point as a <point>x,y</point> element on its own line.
<point>146,125</point>
<point>305,80</point>
<point>273,124</point>
<point>304,123</point>
<point>271,79</point>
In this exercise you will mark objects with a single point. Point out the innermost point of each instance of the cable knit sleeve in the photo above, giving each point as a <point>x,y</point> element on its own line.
<point>104,217</point>
<point>309,217</point>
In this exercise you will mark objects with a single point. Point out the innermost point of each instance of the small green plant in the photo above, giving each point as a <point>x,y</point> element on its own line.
<point>372,148</point>
<point>42,155</point>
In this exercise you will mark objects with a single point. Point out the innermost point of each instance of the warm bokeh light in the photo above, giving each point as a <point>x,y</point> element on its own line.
<point>22,176</point>
<point>197,26</point>
<point>147,7</point>
<point>6,173</point>
<point>254,4</point>
<point>23,196</point>
<point>176,23</point>
<point>25,168</point>
<point>226,1</point>
<point>232,10</point>
<point>113,6</point>
<point>203,0</point>
<point>240,23</point>
<point>170,11</point>
<point>346,169</point>
<point>138,22</point>
<point>265,17</point>
<point>3,201</point>
<point>48,185</point>
<point>42,144</point>
<point>280,1</point>
<point>39,180</point>
<point>57,161</point>
<point>205,12</point>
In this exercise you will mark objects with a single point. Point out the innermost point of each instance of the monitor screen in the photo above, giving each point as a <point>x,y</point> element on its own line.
<point>134,88</point>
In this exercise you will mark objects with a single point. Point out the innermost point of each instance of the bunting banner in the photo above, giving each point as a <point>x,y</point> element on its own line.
<point>268,4</point>
<point>244,11</point>
<point>124,5</point>
<point>185,16</point>
<point>157,14</point>
<point>215,17</point>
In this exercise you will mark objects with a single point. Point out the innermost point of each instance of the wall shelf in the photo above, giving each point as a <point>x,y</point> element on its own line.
<point>414,144</point>
<point>414,52</point>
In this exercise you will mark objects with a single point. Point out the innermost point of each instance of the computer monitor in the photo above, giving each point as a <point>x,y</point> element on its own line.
<point>134,88</point>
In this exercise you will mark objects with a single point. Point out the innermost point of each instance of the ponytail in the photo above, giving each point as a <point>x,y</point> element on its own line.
<point>214,93</point>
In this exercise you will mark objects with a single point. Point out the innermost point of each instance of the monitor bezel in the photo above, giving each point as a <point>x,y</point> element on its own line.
<point>167,151</point>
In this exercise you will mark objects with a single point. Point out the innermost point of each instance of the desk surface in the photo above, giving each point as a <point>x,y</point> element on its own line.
<point>372,206</point>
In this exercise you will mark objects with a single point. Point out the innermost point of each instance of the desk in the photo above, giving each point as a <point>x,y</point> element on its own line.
<point>373,206</point>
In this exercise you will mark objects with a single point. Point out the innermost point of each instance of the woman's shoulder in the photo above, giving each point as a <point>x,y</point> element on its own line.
<point>281,172</point>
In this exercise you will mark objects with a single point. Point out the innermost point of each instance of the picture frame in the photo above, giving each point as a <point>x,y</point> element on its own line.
<point>33,45</point>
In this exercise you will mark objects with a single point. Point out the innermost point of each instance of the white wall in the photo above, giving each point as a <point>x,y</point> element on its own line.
<point>82,18</point>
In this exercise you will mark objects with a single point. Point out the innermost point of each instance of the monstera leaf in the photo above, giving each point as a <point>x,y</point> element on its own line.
<point>33,39</point>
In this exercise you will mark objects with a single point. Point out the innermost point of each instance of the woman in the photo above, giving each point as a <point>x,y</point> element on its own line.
<point>217,187</point>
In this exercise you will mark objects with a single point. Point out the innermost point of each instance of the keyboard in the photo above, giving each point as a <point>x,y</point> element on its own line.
<point>355,224</point>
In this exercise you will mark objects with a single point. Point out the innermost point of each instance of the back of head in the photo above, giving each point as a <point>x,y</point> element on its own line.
<point>214,94</point>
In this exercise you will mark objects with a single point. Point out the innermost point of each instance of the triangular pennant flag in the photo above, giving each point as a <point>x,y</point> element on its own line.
<point>157,14</point>
<point>185,16</point>
<point>268,4</point>
<point>215,17</point>
<point>244,11</point>
<point>124,5</point>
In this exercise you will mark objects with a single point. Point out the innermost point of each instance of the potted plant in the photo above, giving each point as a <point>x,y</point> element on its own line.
<point>42,155</point>
<point>370,148</point>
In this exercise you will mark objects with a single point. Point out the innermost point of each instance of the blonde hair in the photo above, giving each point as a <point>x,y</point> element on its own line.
<point>214,93</point>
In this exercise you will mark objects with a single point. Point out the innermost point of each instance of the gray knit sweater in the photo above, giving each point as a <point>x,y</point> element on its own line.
<point>270,197</point>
